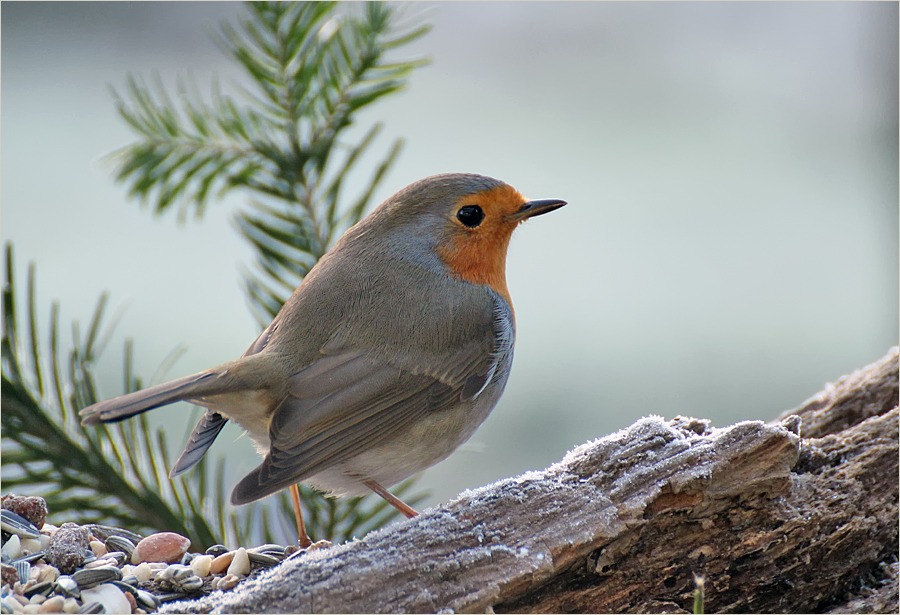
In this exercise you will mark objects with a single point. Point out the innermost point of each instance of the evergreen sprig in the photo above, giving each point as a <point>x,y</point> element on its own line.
<point>312,66</point>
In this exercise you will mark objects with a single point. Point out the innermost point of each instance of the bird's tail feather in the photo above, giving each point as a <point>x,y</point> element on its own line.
<point>126,406</point>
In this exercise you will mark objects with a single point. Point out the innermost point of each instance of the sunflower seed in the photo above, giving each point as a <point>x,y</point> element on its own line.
<point>120,557</point>
<point>120,543</point>
<point>18,525</point>
<point>263,560</point>
<point>67,586</point>
<point>217,550</point>
<point>147,601</point>
<point>43,589</point>
<point>23,569</point>
<point>29,558</point>
<point>89,577</point>
<point>268,549</point>
<point>93,607</point>
<point>172,596</point>
<point>104,532</point>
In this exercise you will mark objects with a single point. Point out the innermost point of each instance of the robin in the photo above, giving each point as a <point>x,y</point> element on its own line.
<point>391,352</point>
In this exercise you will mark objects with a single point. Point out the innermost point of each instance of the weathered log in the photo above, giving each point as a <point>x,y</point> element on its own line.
<point>772,522</point>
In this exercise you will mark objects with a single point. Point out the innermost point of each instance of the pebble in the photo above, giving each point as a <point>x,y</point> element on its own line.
<point>70,606</point>
<point>142,572</point>
<point>228,582</point>
<point>221,563</point>
<point>30,545</point>
<point>167,547</point>
<point>52,605</point>
<point>32,508</point>
<point>201,565</point>
<point>12,548</point>
<point>98,548</point>
<point>110,596</point>
<point>240,564</point>
<point>132,601</point>
<point>68,547</point>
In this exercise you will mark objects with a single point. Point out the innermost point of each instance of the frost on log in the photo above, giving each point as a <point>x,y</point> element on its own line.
<point>799,515</point>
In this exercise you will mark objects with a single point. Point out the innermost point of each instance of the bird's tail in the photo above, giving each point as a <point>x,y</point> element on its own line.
<point>126,406</point>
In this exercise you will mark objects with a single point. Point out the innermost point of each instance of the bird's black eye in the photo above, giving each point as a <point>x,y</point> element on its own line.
<point>470,215</point>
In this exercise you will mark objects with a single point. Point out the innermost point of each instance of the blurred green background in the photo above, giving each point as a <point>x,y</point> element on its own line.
<point>731,239</point>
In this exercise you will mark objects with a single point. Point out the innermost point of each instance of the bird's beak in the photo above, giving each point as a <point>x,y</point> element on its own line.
<point>536,208</point>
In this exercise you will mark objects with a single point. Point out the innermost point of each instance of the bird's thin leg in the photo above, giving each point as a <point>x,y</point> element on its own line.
<point>302,537</point>
<point>392,499</point>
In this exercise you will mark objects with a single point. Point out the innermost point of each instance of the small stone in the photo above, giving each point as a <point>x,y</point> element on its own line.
<point>32,508</point>
<point>37,599</point>
<point>70,606</point>
<point>201,564</point>
<point>67,547</point>
<point>227,582</point>
<point>142,572</point>
<point>221,563</point>
<point>8,575</point>
<point>111,597</point>
<point>166,547</point>
<point>13,548</point>
<point>30,545</point>
<point>132,601</point>
<point>31,609</point>
<point>98,548</point>
<point>240,564</point>
<point>52,605</point>
<point>48,573</point>
<point>97,563</point>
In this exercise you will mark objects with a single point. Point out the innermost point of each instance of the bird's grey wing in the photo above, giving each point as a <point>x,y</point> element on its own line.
<point>344,404</point>
<point>366,404</point>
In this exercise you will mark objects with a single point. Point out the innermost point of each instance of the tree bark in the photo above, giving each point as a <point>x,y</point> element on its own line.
<point>772,521</point>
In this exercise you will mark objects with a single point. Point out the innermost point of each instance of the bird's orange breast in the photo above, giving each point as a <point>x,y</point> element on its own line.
<point>479,255</point>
